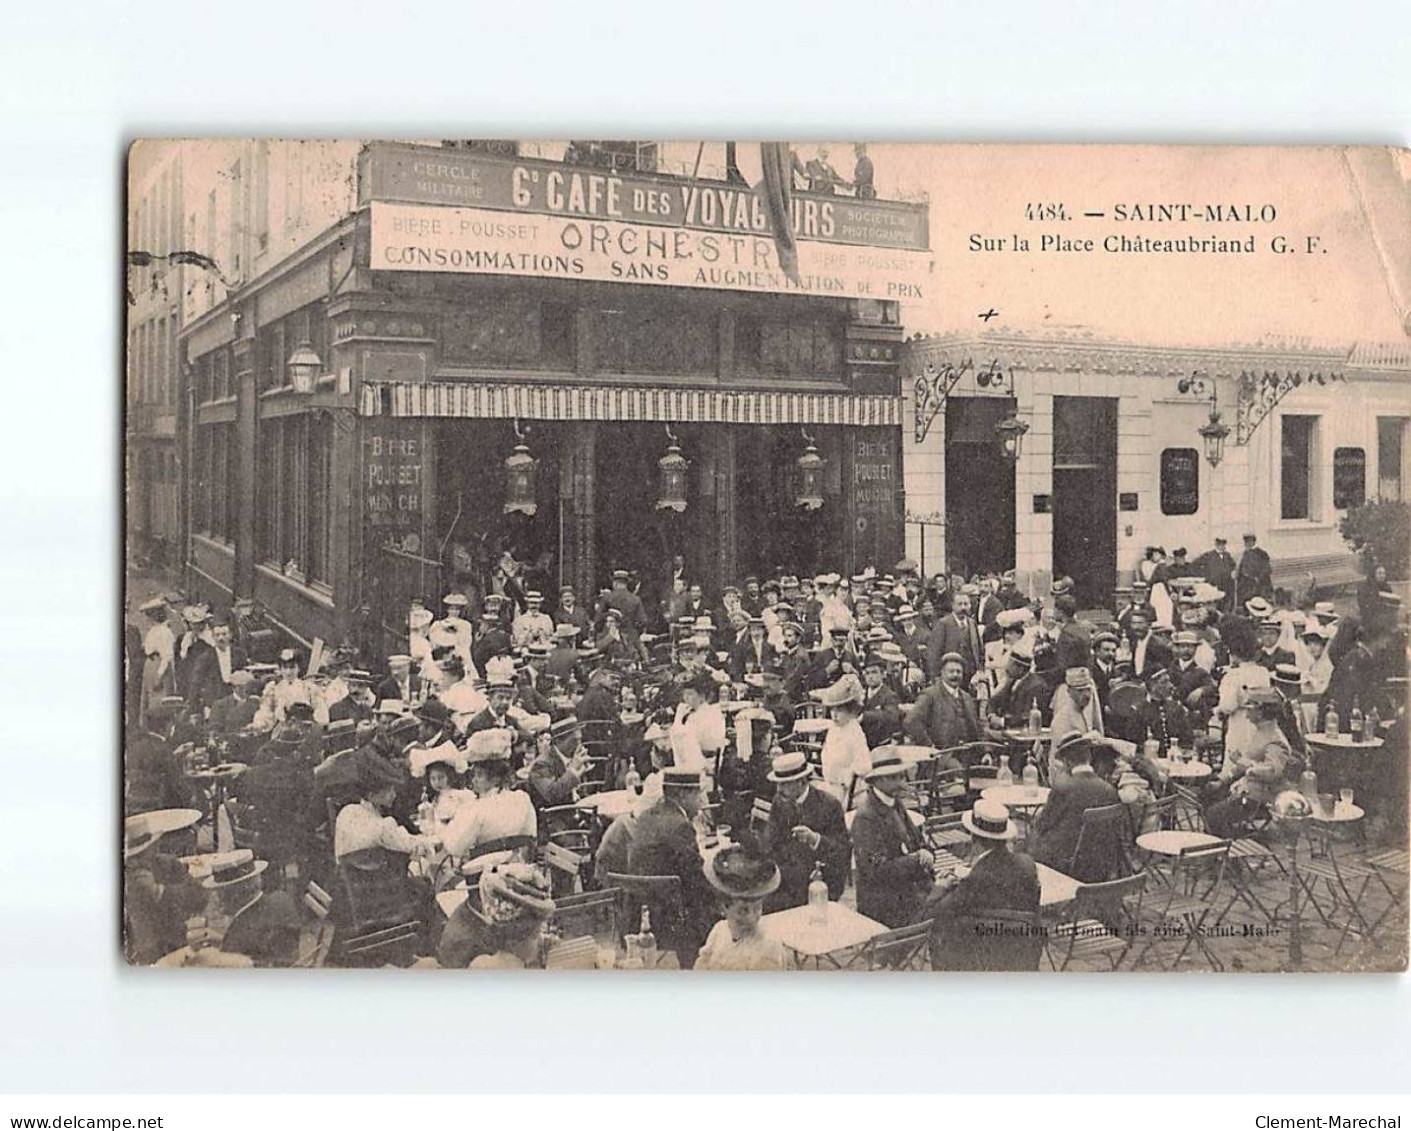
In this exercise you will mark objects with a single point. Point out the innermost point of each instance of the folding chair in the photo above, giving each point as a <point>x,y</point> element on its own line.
<point>588,913</point>
<point>1099,921</point>
<point>760,809</point>
<point>906,948</point>
<point>564,867</point>
<point>661,895</point>
<point>1389,868</point>
<point>318,903</point>
<point>945,833</point>
<point>1338,878</point>
<point>1101,852</point>
<point>1182,910</point>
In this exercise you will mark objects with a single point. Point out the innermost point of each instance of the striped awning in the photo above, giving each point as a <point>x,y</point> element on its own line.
<point>606,402</point>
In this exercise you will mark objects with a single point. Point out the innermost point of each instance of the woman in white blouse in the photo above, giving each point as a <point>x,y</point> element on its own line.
<point>1245,675</point>
<point>846,754</point>
<point>498,809</point>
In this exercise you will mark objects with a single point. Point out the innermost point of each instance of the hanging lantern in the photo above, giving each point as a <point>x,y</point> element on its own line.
<point>671,490</point>
<point>1011,431</point>
<point>520,470</point>
<point>809,494</point>
<point>303,367</point>
<point>1213,434</point>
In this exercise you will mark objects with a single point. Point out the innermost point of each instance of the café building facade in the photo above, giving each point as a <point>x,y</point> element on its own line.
<point>591,368</point>
<point>1117,451</point>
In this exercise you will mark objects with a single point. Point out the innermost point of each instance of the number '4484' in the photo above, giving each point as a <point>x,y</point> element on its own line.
<point>1044,212</point>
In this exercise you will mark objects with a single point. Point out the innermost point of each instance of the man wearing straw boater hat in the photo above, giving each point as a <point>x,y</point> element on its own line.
<point>893,866</point>
<point>806,829</point>
<point>983,912</point>
<point>158,892</point>
<point>1060,821</point>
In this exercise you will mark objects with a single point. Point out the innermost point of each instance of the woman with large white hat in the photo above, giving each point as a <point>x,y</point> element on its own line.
<point>498,810</point>
<point>846,754</point>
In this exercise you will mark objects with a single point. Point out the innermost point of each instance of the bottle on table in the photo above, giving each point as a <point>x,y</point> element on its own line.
<point>1036,719</point>
<point>1374,723</point>
<point>817,897</point>
<point>632,780</point>
<point>1030,772</point>
<point>646,941</point>
<point>1005,776</point>
<point>1331,722</point>
<point>1308,783</point>
<point>1355,722</point>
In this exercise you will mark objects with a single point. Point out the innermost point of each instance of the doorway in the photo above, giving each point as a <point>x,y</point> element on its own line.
<point>979,487</point>
<point>1085,496</point>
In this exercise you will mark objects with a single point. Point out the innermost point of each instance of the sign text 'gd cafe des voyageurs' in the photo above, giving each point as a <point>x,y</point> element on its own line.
<point>445,210</point>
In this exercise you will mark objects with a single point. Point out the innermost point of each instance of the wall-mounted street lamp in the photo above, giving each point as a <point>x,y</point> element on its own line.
<point>1011,432</point>
<point>304,366</point>
<point>671,488</point>
<point>809,493</point>
<point>520,473</point>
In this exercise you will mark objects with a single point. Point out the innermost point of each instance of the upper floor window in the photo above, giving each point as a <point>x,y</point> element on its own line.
<point>1296,460</point>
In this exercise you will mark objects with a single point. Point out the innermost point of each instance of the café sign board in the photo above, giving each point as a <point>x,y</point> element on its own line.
<point>418,174</point>
<point>483,241</point>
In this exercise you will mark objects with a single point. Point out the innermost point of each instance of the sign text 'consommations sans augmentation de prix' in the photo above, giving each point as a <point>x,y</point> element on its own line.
<point>414,237</point>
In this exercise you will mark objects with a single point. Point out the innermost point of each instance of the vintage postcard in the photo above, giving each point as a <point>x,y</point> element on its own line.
<point>766,556</point>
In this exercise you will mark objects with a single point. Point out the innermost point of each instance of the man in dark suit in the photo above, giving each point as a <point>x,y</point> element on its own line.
<point>629,609</point>
<point>599,703</point>
<point>664,844</point>
<point>555,774</point>
<point>806,829</point>
<point>401,682</point>
<point>956,632</point>
<point>492,640</point>
<point>236,710</point>
<point>499,695</point>
<point>1288,682</point>
<point>531,685</point>
<point>1194,687</point>
<point>981,913</point>
<point>1270,654</point>
<point>1074,644</point>
<point>893,866</point>
<point>910,637</point>
<point>1060,821</point>
<point>1254,576</point>
<point>881,706</point>
<point>754,655</point>
<point>1148,650</point>
<point>1217,566</point>
<point>944,715</point>
<point>198,678</point>
<point>1104,664</point>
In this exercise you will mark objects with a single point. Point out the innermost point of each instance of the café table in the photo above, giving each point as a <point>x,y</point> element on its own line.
<point>1024,735</point>
<point>217,780</point>
<point>1192,771</point>
<point>734,706</point>
<point>812,726</point>
<point>1170,842</point>
<point>1024,797</point>
<point>1338,875</point>
<point>609,804</point>
<point>818,943</point>
<point>1339,761</point>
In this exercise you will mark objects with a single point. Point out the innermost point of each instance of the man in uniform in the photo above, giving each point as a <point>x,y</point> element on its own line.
<point>493,639</point>
<point>630,613</point>
<point>1217,566</point>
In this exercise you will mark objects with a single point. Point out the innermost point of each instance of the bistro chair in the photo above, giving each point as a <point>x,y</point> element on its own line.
<point>1389,868</point>
<point>760,809</point>
<point>1181,911</point>
<point>810,709</point>
<point>317,903</point>
<point>1104,839</point>
<point>1101,920</point>
<point>1339,877</point>
<point>979,778</point>
<point>380,927</point>
<point>945,831</point>
<point>588,913</point>
<point>661,895</point>
<point>905,948</point>
<point>564,867</point>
